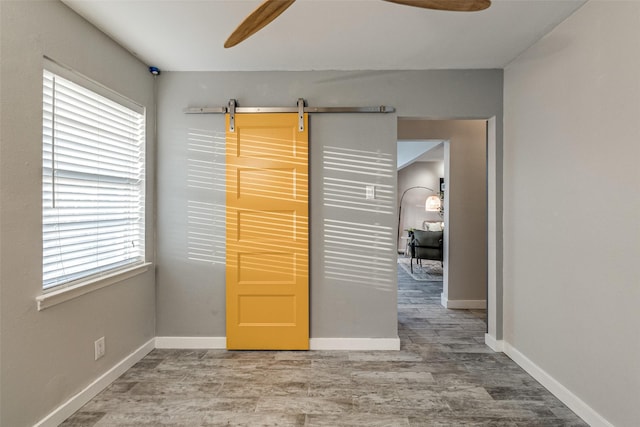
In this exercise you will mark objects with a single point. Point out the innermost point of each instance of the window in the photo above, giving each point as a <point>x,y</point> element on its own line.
<point>92,181</point>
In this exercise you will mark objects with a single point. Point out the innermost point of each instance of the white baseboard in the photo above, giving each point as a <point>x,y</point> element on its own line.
<point>314,343</point>
<point>192,343</point>
<point>354,344</point>
<point>584,411</point>
<point>463,304</point>
<point>493,343</point>
<point>64,411</point>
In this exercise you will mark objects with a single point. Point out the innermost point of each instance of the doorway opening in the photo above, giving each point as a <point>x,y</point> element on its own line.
<point>421,191</point>
<point>459,155</point>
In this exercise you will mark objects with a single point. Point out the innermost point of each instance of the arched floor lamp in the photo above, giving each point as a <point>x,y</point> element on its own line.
<point>432,204</point>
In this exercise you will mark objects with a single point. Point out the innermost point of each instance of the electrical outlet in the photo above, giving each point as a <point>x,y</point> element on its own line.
<point>99,348</point>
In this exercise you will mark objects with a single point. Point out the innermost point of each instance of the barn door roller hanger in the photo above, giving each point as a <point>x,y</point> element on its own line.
<point>232,108</point>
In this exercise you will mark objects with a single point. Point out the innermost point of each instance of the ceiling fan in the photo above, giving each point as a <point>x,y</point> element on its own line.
<point>271,9</point>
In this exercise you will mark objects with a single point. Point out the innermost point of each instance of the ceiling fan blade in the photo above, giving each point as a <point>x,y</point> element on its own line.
<point>258,19</point>
<point>451,5</point>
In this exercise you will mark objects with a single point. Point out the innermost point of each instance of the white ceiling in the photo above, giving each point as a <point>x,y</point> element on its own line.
<point>187,35</point>
<point>410,151</point>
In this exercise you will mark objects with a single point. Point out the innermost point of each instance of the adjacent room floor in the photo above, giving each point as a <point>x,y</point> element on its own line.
<point>444,375</point>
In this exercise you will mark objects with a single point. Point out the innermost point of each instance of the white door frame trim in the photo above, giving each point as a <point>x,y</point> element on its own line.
<point>493,305</point>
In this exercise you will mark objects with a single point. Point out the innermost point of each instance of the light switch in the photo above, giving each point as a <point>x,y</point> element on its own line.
<point>371,192</point>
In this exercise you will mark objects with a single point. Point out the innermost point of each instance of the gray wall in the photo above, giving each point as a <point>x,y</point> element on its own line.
<point>571,203</point>
<point>47,356</point>
<point>349,235</point>
<point>465,203</point>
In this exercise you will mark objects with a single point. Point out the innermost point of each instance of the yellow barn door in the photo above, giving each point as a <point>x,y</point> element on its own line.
<point>267,217</point>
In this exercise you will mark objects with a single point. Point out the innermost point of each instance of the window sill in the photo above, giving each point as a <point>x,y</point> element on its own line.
<point>59,296</point>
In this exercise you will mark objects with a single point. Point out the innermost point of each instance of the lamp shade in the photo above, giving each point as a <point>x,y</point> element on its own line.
<point>433,204</point>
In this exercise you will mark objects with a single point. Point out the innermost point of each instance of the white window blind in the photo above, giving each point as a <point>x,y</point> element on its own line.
<point>92,183</point>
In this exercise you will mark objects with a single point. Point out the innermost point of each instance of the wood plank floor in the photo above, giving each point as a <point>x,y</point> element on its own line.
<point>444,375</point>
